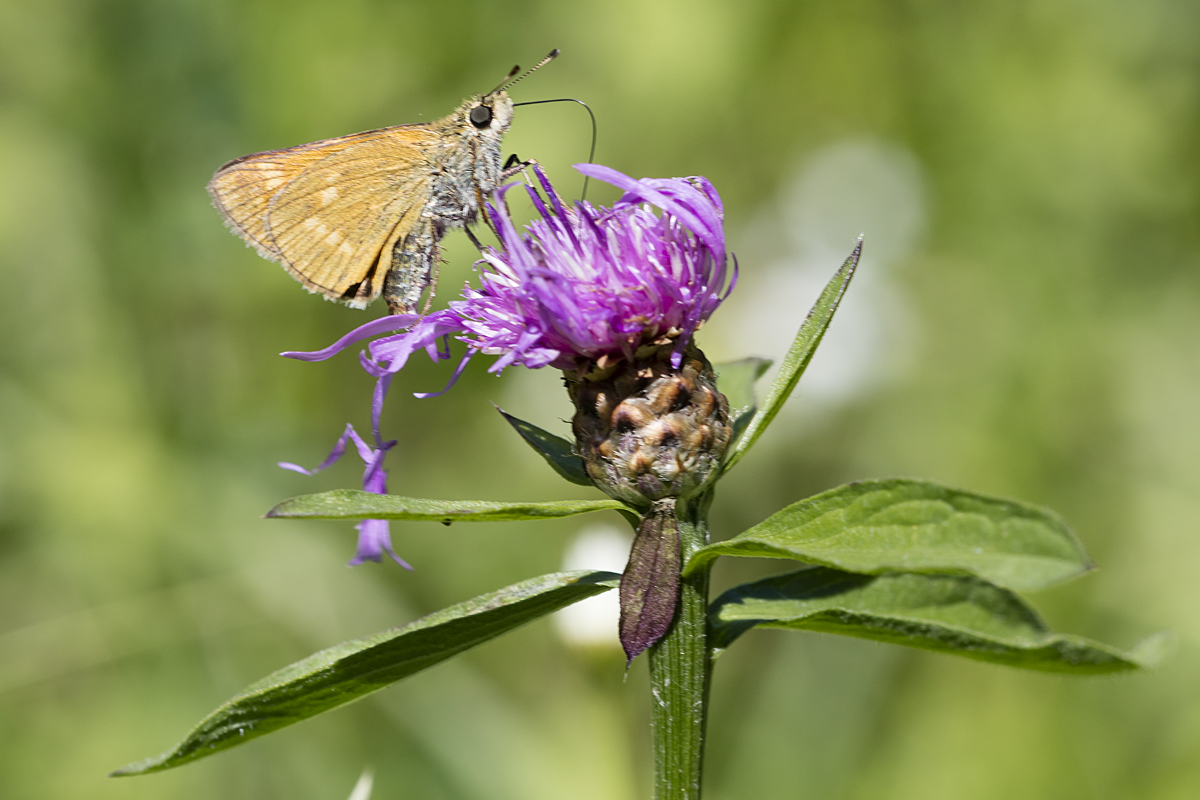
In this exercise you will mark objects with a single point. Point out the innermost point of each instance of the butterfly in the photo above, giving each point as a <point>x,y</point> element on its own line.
<point>362,215</point>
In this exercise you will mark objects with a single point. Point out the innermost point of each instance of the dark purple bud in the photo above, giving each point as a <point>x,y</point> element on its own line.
<point>650,584</point>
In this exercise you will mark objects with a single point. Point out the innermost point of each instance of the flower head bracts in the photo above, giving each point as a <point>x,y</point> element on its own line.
<point>580,284</point>
<point>374,535</point>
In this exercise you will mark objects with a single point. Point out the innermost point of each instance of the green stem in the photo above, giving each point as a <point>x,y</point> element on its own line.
<point>680,670</point>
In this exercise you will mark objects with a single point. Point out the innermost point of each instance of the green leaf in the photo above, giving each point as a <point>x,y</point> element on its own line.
<point>351,670</point>
<point>355,504</point>
<point>902,525</point>
<point>945,613</point>
<point>557,451</point>
<point>736,381</point>
<point>797,358</point>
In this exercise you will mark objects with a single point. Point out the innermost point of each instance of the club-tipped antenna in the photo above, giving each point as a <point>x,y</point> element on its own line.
<point>516,68</point>
<point>509,80</point>
<point>592,151</point>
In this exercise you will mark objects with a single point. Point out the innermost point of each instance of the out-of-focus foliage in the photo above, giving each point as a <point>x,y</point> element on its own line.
<point>1024,323</point>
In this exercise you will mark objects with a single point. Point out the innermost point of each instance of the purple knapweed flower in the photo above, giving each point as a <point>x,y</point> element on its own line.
<point>581,284</point>
<point>374,535</point>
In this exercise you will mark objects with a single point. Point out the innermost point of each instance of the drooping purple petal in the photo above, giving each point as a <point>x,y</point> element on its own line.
<point>374,535</point>
<point>458,371</point>
<point>339,450</point>
<point>375,539</point>
<point>377,398</point>
<point>375,327</point>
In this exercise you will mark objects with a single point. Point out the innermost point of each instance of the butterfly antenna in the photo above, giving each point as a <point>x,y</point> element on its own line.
<point>592,152</point>
<point>509,80</point>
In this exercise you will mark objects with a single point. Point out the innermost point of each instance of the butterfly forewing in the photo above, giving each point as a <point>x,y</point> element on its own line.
<point>327,211</point>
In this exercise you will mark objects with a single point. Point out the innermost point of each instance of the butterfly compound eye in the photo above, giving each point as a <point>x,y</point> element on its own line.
<point>481,116</point>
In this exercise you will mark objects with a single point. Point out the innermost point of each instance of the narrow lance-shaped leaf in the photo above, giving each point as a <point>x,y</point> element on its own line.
<point>915,526</point>
<point>349,671</point>
<point>953,614</point>
<point>797,358</point>
<point>354,504</point>
<point>736,381</point>
<point>650,585</point>
<point>557,451</point>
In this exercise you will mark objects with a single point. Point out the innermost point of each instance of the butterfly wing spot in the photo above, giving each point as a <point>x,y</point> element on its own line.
<point>329,195</point>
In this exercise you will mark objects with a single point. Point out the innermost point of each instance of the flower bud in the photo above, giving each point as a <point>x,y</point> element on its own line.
<point>646,430</point>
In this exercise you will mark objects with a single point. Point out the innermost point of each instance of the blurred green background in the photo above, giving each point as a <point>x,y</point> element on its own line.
<point>1025,323</point>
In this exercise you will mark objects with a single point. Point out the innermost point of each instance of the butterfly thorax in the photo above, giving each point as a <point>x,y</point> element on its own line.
<point>464,169</point>
<point>467,165</point>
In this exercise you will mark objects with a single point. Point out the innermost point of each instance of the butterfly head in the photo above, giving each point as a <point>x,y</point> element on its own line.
<point>492,112</point>
<point>488,114</point>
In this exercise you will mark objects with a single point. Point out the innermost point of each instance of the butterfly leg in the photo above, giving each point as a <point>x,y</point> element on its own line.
<point>487,220</point>
<point>515,166</point>
<point>414,267</point>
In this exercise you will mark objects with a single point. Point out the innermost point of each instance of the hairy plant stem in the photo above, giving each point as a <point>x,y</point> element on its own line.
<point>680,671</point>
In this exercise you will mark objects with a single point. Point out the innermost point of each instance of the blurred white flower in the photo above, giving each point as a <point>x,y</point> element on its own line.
<point>593,622</point>
<point>853,186</point>
<point>362,789</point>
